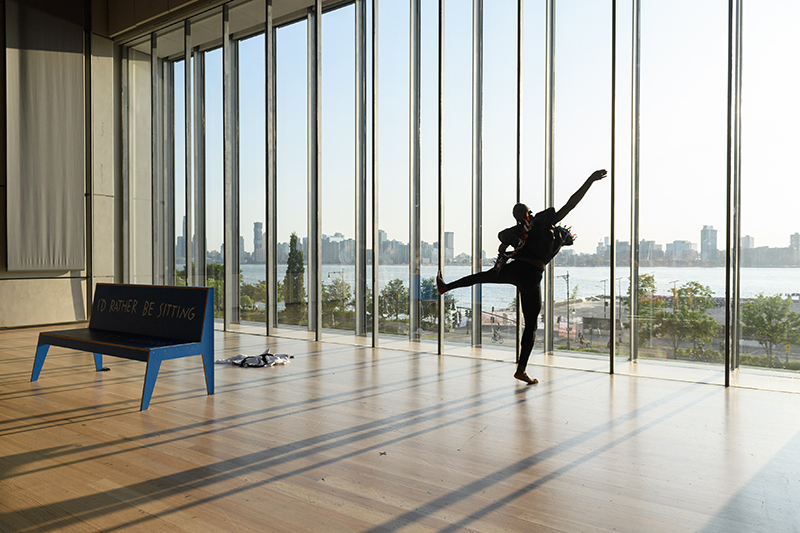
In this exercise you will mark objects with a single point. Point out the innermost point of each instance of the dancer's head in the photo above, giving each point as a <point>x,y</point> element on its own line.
<point>521,213</point>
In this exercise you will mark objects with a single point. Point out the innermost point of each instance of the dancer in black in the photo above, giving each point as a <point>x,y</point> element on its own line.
<point>536,240</point>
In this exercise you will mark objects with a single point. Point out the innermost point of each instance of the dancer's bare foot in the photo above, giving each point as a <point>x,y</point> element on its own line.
<point>523,376</point>
<point>441,286</point>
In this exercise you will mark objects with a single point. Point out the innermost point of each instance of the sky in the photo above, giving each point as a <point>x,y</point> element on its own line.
<point>683,121</point>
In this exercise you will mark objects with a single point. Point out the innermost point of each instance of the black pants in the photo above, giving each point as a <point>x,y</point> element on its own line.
<point>526,278</point>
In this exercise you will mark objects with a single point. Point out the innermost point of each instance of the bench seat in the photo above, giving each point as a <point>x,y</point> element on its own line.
<point>198,338</point>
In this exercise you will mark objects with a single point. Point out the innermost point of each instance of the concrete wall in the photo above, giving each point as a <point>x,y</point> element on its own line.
<point>40,298</point>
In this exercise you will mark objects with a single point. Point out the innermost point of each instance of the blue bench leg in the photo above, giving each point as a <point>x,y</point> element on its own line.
<point>98,362</point>
<point>153,364</point>
<point>38,362</point>
<point>208,368</point>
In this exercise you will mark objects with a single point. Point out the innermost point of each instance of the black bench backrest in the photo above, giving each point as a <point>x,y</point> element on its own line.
<point>157,311</point>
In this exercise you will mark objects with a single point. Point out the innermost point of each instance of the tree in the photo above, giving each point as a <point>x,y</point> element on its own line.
<point>394,299</point>
<point>689,318</point>
<point>696,300</point>
<point>336,297</point>
<point>670,328</point>
<point>430,300</point>
<point>771,322</point>
<point>574,295</point>
<point>215,277</point>
<point>649,307</point>
<point>294,293</point>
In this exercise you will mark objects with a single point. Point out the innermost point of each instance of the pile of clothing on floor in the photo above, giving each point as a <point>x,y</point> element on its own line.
<point>263,359</point>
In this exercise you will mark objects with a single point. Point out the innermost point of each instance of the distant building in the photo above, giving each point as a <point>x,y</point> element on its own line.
<point>681,251</point>
<point>258,241</point>
<point>748,242</point>
<point>623,252</point>
<point>180,249</point>
<point>648,251</point>
<point>794,240</point>
<point>708,244</point>
<point>602,249</point>
<point>449,246</point>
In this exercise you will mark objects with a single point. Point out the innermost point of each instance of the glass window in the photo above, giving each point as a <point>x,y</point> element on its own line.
<point>582,145</point>
<point>499,172</point>
<point>457,170</point>
<point>338,169</point>
<point>770,243</point>
<point>292,178</point>
<point>252,177</point>
<point>429,175</point>
<point>393,172</point>
<point>179,166</point>
<point>682,176</point>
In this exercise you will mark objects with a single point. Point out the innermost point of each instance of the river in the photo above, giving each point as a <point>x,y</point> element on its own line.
<point>583,281</point>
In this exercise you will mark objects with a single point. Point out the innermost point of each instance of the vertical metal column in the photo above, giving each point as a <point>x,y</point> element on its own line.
<point>188,174</point>
<point>126,176</point>
<point>199,89</point>
<point>414,215</point>
<point>477,164</point>
<point>549,161</point>
<point>733,223</point>
<point>156,168</point>
<point>88,169</point>
<point>271,218</point>
<point>440,185</point>
<point>361,167</point>
<point>169,170</point>
<point>612,333</point>
<point>518,150</point>
<point>376,320</point>
<point>635,92</point>
<point>314,168</point>
<point>230,181</point>
<point>729,244</point>
<point>737,187</point>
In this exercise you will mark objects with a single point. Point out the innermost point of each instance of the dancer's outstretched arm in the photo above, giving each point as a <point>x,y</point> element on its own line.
<point>597,175</point>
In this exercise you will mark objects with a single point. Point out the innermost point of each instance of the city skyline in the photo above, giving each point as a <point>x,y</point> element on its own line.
<point>340,249</point>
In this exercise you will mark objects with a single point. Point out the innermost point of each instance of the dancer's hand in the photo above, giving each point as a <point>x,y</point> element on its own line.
<point>597,175</point>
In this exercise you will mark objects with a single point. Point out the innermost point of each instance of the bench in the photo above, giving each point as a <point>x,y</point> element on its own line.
<point>145,323</point>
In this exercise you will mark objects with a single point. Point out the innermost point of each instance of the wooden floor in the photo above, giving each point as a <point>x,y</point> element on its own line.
<point>351,439</point>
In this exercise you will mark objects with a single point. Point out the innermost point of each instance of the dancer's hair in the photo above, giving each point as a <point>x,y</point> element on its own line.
<point>520,212</point>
